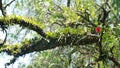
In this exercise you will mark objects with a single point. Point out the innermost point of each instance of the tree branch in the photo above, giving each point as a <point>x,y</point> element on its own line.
<point>91,23</point>
<point>42,44</point>
<point>1,44</point>
<point>2,8</point>
<point>68,3</point>
<point>9,3</point>
<point>24,22</point>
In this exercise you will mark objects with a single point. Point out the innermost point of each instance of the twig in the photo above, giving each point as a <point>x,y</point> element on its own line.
<point>5,37</point>
<point>68,3</point>
<point>9,3</point>
<point>2,9</point>
<point>80,14</point>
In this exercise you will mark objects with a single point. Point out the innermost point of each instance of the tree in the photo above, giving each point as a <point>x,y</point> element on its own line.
<point>73,24</point>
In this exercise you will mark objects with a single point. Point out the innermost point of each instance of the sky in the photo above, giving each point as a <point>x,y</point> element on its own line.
<point>4,58</point>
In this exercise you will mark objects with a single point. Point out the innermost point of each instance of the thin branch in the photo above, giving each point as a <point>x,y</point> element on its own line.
<point>9,4</point>
<point>3,10</point>
<point>68,3</point>
<point>80,14</point>
<point>5,38</point>
<point>0,4</point>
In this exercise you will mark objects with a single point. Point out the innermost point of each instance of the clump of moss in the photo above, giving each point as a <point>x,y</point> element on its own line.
<point>13,19</point>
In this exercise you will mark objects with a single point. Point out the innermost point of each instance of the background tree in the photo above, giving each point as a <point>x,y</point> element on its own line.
<point>69,28</point>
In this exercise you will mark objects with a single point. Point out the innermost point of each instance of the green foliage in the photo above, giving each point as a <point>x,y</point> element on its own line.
<point>63,16</point>
<point>58,20</point>
<point>52,59</point>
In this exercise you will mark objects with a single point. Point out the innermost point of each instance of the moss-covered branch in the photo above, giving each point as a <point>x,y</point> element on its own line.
<point>42,44</point>
<point>24,22</point>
